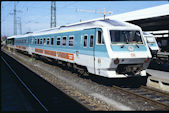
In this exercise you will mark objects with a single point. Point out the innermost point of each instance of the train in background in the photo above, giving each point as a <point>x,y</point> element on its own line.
<point>108,48</point>
<point>152,43</point>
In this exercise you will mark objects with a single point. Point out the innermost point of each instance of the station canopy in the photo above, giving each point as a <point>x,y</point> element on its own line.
<point>149,19</point>
<point>154,18</point>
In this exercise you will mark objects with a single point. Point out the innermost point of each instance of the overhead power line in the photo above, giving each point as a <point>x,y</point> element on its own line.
<point>95,11</point>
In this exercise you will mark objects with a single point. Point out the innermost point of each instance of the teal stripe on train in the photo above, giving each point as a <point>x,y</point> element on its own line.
<point>117,48</point>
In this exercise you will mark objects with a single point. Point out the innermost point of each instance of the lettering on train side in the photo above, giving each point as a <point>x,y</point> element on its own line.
<point>52,53</point>
<point>64,55</point>
<point>39,50</point>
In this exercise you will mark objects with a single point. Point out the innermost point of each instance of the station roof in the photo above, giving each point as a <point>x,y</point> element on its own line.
<point>157,11</point>
<point>154,18</point>
<point>149,19</point>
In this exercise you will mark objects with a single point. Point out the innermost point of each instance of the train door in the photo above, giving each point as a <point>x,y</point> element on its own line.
<point>91,47</point>
<point>85,51</point>
<point>30,44</point>
<point>100,51</point>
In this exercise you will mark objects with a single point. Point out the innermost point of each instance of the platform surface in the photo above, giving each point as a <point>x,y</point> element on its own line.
<point>158,74</point>
<point>163,53</point>
<point>12,97</point>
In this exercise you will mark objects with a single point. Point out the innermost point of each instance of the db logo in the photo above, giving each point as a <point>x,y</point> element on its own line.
<point>130,48</point>
<point>133,55</point>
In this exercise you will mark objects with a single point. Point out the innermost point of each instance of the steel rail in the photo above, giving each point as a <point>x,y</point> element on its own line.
<point>24,85</point>
<point>138,95</point>
<point>81,103</point>
<point>156,91</point>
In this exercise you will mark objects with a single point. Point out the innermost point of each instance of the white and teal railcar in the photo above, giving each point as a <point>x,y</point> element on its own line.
<point>107,48</point>
<point>152,43</point>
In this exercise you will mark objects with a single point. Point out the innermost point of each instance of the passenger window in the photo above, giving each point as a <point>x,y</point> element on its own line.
<point>91,40</point>
<point>64,41</point>
<point>38,41</point>
<point>58,41</point>
<point>35,41</point>
<point>71,41</point>
<point>52,40</point>
<point>100,39</point>
<point>44,41</point>
<point>41,41</point>
<point>47,41</point>
<point>85,41</point>
<point>32,41</point>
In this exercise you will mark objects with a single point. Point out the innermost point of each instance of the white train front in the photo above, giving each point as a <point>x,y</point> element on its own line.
<point>107,48</point>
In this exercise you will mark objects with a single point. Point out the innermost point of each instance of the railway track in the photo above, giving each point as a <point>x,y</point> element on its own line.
<point>87,103</point>
<point>152,96</point>
<point>43,93</point>
<point>156,99</point>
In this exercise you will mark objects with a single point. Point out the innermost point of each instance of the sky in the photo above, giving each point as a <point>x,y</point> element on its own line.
<point>35,15</point>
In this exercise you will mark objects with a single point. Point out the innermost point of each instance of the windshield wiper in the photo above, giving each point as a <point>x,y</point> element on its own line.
<point>122,46</point>
<point>126,39</point>
<point>137,45</point>
<point>126,42</point>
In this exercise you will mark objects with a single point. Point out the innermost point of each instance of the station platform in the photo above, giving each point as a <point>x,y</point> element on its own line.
<point>158,79</point>
<point>163,53</point>
<point>12,96</point>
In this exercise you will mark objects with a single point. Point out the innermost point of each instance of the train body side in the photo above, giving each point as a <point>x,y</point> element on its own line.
<point>101,57</point>
<point>78,53</point>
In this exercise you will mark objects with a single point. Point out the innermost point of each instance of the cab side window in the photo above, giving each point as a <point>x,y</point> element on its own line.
<point>85,41</point>
<point>91,40</point>
<point>100,39</point>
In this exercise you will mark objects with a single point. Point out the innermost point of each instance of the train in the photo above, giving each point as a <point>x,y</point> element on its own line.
<point>152,43</point>
<point>108,48</point>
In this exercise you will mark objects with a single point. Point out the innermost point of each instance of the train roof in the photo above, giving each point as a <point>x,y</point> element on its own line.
<point>17,36</point>
<point>80,26</point>
<point>147,34</point>
<point>10,37</point>
<point>86,25</point>
<point>112,22</point>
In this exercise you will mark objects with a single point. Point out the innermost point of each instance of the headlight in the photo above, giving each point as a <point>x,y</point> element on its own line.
<point>116,61</point>
<point>146,60</point>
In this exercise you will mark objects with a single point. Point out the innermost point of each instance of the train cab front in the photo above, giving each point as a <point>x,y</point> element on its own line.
<point>129,54</point>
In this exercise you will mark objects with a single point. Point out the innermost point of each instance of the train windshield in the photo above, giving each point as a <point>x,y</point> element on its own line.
<point>150,39</point>
<point>125,37</point>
